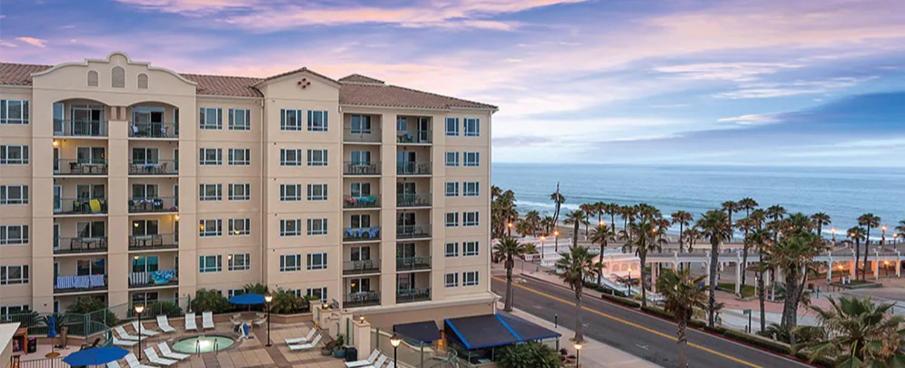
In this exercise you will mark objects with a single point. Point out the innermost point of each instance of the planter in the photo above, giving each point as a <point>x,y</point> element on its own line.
<point>339,353</point>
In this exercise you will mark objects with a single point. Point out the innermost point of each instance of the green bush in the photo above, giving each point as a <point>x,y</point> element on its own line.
<point>531,354</point>
<point>210,301</point>
<point>94,307</point>
<point>286,302</point>
<point>256,288</point>
<point>164,308</point>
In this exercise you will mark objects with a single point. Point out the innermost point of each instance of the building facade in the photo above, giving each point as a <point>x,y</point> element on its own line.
<point>133,183</point>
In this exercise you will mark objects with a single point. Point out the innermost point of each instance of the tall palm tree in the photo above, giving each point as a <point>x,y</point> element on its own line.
<point>599,209</point>
<point>509,248</point>
<point>730,207</point>
<point>748,225</point>
<point>761,238</point>
<point>612,209</point>
<point>683,218</point>
<point>601,236</point>
<point>495,192</point>
<point>533,219</point>
<point>859,333</point>
<point>548,224</point>
<point>588,209</point>
<point>558,199</point>
<point>794,255</point>
<point>574,267</point>
<point>681,294</point>
<point>575,218</point>
<point>857,234</point>
<point>628,215</point>
<point>820,220</point>
<point>747,204</point>
<point>692,235</point>
<point>867,220</point>
<point>714,225</point>
<point>645,237</point>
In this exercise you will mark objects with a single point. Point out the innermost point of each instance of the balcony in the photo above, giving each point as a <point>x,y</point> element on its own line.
<point>413,199</point>
<point>80,167</point>
<point>153,205</point>
<point>361,267</point>
<point>81,283</point>
<point>153,242</point>
<point>80,245</point>
<point>68,128</point>
<point>153,130</point>
<point>413,168</point>
<point>153,278</point>
<point>413,263</point>
<point>79,206</point>
<point>412,231</point>
<point>413,295</point>
<point>361,168</point>
<point>361,135</point>
<point>361,299</point>
<point>361,202</point>
<point>166,167</point>
<point>361,233</point>
<point>419,137</point>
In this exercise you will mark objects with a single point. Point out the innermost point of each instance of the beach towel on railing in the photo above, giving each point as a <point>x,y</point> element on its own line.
<point>163,276</point>
<point>96,280</point>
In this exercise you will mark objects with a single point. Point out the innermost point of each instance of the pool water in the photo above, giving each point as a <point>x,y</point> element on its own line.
<point>202,344</point>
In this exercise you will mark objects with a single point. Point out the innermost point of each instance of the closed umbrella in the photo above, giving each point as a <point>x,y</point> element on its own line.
<point>52,333</point>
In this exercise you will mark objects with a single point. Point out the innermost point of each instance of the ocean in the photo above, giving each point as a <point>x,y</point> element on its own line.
<point>843,193</point>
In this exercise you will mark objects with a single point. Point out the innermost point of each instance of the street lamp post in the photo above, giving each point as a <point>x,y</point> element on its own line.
<point>138,310</point>
<point>883,235</point>
<point>267,299</point>
<point>542,238</point>
<point>556,241</point>
<point>577,355</point>
<point>395,341</point>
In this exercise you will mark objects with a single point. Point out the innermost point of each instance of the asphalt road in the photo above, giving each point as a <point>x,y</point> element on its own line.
<point>648,337</point>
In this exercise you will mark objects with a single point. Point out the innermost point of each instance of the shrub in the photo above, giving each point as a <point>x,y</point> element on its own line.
<point>256,288</point>
<point>169,309</point>
<point>286,302</point>
<point>529,354</point>
<point>210,301</point>
<point>94,307</point>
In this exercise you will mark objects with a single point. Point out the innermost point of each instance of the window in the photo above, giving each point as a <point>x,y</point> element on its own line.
<point>470,189</point>
<point>290,157</point>
<point>233,292</point>
<point>317,192</point>
<point>239,119</point>
<point>92,78</point>
<point>239,192</point>
<point>317,261</point>
<point>317,157</point>
<point>452,249</point>
<point>290,120</point>
<point>360,157</point>
<point>290,262</point>
<point>452,189</point>
<point>470,248</point>
<point>91,155</point>
<point>13,234</point>
<point>317,293</point>
<point>291,227</point>
<point>211,156</point>
<point>290,192</point>
<point>451,279</point>
<point>317,226</point>
<point>361,124</point>
<point>13,194</point>
<point>360,221</point>
<point>239,156</point>
<point>317,121</point>
<point>239,261</point>
<point>14,154</point>
<point>470,218</point>
<point>472,127</point>
<point>452,219</point>
<point>6,310</point>
<point>10,275</point>
<point>118,77</point>
<point>145,156</point>
<point>452,159</point>
<point>469,278</point>
<point>211,118</point>
<point>401,124</point>
<point>452,126</point>
<point>13,112</point>
<point>210,263</point>
<point>358,190</point>
<point>142,81</point>
<point>210,228</point>
<point>210,192</point>
<point>471,159</point>
<point>239,226</point>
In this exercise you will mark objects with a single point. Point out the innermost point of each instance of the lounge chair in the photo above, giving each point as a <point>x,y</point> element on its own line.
<point>207,321</point>
<point>164,323</point>
<point>113,364</point>
<point>190,322</point>
<point>123,334</point>
<point>170,354</point>
<point>156,359</point>
<point>126,343</point>
<point>133,362</point>
<point>379,363</point>
<point>308,346</point>
<point>390,365</point>
<point>302,340</point>
<point>144,331</point>
<point>260,322</point>
<point>362,363</point>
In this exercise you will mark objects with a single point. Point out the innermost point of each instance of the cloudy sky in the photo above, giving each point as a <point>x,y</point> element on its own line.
<point>709,82</point>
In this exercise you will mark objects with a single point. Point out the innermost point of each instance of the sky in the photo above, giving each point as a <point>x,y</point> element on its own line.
<point>811,83</point>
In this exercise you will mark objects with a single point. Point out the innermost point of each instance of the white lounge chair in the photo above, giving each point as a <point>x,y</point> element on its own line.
<point>307,346</point>
<point>156,359</point>
<point>362,363</point>
<point>113,364</point>
<point>133,362</point>
<point>123,334</point>
<point>144,331</point>
<point>390,365</point>
<point>302,340</point>
<point>164,323</point>
<point>190,322</point>
<point>170,354</point>
<point>378,363</point>
<point>207,320</point>
<point>126,343</point>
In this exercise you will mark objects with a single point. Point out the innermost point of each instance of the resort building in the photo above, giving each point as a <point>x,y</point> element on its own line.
<point>133,183</point>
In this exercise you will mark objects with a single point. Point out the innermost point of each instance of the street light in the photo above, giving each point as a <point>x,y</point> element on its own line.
<point>577,355</point>
<point>395,341</point>
<point>138,310</point>
<point>542,238</point>
<point>267,299</point>
<point>883,235</point>
<point>556,240</point>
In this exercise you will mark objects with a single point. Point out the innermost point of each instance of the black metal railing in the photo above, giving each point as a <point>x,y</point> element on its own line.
<point>153,130</point>
<point>79,206</point>
<point>413,199</point>
<point>369,201</point>
<point>413,295</point>
<point>359,267</point>
<point>412,231</point>
<point>69,128</point>
<point>80,245</point>
<point>413,263</point>
<point>361,299</point>
<point>361,233</point>
<point>70,284</point>
<point>361,135</point>
<point>361,168</point>
<point>153,204</point>
<point>80,167</point>
<point>413,168</point>
<point>153,241</point>
<point>160,167</point>
<point>420,136</point>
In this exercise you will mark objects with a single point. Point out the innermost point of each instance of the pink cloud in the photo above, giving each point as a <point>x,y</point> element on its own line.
<point>33,41</point>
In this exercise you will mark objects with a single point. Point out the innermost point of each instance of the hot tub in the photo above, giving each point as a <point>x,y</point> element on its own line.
<point>203,344</point>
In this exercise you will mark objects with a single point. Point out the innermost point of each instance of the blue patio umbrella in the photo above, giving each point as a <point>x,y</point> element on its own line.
<point>247,299</point>
<point>96,356</point>
<point>52,326</point>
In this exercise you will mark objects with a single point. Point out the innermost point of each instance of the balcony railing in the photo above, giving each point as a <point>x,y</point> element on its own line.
<point>413,168</point>
<point>412,231</point>
<point>68,128</point>
<point>361,233</point>
<point>413,199</point>
<point>80,245</point>
<point>79,206</point>
<point>359,267</point>
<point>361,135</point>
<point>153,130</point>
<point>361,202</point>
<point>153,278</point>
<point>413,263</point>
<point>153,241</point>
<point>156,204</point>
<point>80,167</point>
<point>421,136</point>
<point>412,295</point>
<point>68,284</point>
<point>165,167</point>
<point>361,299</point>
<point>361,168</point>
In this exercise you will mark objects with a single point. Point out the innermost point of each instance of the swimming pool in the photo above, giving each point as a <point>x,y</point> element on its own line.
<point>202,344</point>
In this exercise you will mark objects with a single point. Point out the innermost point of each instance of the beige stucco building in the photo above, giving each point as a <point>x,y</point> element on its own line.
<point>134,183</point>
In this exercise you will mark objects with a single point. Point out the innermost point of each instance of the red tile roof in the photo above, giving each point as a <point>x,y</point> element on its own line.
<point>18,74</point>
<point>221,85</point>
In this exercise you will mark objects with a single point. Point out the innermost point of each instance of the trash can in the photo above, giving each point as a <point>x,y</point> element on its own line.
<point>351,354</point>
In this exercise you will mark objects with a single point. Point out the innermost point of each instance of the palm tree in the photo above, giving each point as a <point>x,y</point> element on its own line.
<point>761,238</point>
<point>612,209</point>
<point>867,220</point>
<point>856,234</point>
<point>859,333</point>
<point>548,224</point>
<point>820,220</point>
<point>509,248</point>
<point>588,209</point>
<point>495,192</point>
<point>683,218</point>
<point>558,199</point>
<point>714,225</point>
<point>681,294</point>
<point>575,218</point>
<point>645,237</point>
<point>574,267</point>
<point>628,215</point>
<point>794,255</point>
<point>900,230</point>
<point>730,207</point>
<point>692,235</point>
<point>532,218</point>
<point>747,204</point>
<point>600,235</point>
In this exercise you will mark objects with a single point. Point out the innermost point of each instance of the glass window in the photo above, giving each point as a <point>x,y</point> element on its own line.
<point>452,126</point>
<point>317,157</point>
<point>239,226</point>
<point>317,121</point>
<point>317,192</point>
<point>239,261</point>
<point>290,157</point>
<point>452,188</point>
<point>290,227</point>
<point>472,127</point>
<point>239,119</point>
<point>13,111</point>
<point>470,218</point>
<point>452,219</point>
<point>14,274</point>
<point>210,192</point>
<point>452,158</point>
<point>470,189</point>
<point>361,124</point>
<point>290,120</point>
<point>472,159</point>
<point>359,190</point>
<point>290,262</point>
<point>470,278</point>
<point>452,249</point>
<point>317,261</point>
<point>317,226</point>
<point>13,234</point>
<point>239,156</point>
<point>210,118</point>
<point>470,248</point>
<point>451,280</point>
<point>13,194</point>
<point>13,154</point>
<point>317,293</point>
<point>209,228</point>
<point>239,192</point>
<point>210,263</point>
<point>211,156</point>
<point>290,192</point>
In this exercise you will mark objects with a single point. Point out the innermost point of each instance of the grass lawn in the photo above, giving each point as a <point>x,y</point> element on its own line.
<point>747,290</point>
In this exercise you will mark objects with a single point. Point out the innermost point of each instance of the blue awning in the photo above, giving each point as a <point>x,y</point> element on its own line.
<point>247,299</point>
<point>96,356</point>
<point>494,330</point>
<point>426,331</point>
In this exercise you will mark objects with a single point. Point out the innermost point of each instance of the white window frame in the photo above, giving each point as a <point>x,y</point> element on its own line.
<point>452,219</point>
<point>6,239</point>
<point>311,258</point>
<point>234,119</point>
<point>239,226</point>
<point>317,161</point>
<point>472,127</point>
<point>317,120</point>
<point>317,226</point>
<point>7,118</point>
<point>6,198</point>
<point>203,160</point>
<point>470,248</point>
<point>21,159</point>
<point>290,192</point>
<point>205,267</point>
<point>296,125</point>
<point>451,249</point>
<point>317,192</point>
<point>312,293</point>
<point>204,121</point>
<point>471,189</point>
<point>455,131</point>
<point>205,225</point>
<point>286,160</point>
<point>471,159</point>
<point>470,218</point>
<point>236,161</point>
<point>236,188</point>
<point>290,262</point>
<point>286,231</point>
<point>24,276</point>
<point>360,124</point>
<point>470,278</point>
<point>204,195</point>
<point>452,159</point>
<point>239,262</point>
<point>452,189</point>
<point>451,280</point>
